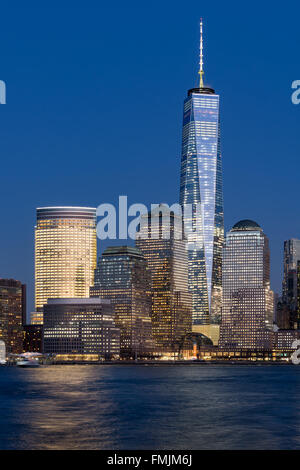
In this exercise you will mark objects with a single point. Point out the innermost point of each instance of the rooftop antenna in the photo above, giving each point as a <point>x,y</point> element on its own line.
<point>201,71</point>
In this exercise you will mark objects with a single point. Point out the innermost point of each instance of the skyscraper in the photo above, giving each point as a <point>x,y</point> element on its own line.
<point>166,255</point>
<point>11,314</point>
<point>65,253</point>
<point>123,278</point>
<point>247,308</point>
<point>201,186</point>
<point>290,285</point>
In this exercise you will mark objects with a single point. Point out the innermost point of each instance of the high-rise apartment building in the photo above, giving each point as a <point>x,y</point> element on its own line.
<point>247,310</point>
<point>80,327</point>
<point>160,241</point>
<point>65,253</point>
<point>122,277</point>
<point>12,306</point>
<point>201,187</point>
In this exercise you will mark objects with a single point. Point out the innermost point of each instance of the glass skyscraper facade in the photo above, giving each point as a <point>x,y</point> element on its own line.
<point>201,187</point>
<point>247,307</point>
<point>122,277</point>
<point>65,253</point>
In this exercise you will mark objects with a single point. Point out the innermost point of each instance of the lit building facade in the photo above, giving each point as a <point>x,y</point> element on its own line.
<point>80,327</point>
<point>166,255</point>
<point>248,306</point>
<point>211,331</point>
<point>32,339</point>
<point>122,277</point>
<point>291,258</point>
<point>284,338</point>
<point>65,253</point>
<point>290,285</point>
<point>12,314</point>
<point>201,187</point>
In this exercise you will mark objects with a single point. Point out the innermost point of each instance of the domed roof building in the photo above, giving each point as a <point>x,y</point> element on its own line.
<point>246,225</point>
<point>247,303</point>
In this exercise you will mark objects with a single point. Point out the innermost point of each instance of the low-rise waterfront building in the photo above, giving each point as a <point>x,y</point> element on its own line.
<point>284,338</point>
<point>80,328</point>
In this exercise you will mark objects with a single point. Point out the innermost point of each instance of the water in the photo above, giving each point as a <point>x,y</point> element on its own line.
<point>138,407</point>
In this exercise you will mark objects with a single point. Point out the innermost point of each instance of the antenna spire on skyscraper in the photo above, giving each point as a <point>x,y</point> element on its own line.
<point>201,71</point>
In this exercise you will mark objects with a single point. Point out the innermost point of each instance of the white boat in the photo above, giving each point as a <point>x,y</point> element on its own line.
<point>28,363</point>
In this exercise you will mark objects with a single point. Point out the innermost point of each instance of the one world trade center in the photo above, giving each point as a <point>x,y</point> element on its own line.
<point>201,187</point>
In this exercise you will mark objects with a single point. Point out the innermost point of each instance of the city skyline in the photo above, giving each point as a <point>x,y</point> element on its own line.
<point>150,244</point>
<point>66,181</point>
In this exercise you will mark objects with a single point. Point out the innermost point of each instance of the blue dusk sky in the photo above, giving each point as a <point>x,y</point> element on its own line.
<point>94,110</point>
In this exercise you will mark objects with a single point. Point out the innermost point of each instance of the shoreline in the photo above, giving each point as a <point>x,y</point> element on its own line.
<point>165,364</point>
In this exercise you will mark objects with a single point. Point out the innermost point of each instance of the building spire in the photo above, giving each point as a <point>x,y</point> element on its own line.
<point>201,71</point>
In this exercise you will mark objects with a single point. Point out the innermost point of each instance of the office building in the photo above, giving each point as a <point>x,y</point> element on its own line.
<point>12,313</point>
<point>284,339</point>
<point>283,316</point>
<point>36,318</point>
<point>291,258</point>
<point>80,328</point>
<point>201,187</point>
<point>32,338</point>
<point>248,310</point>
<point>160,240</point>
<point>290,287</point>
<point>65,253</point>
<point>122,277</point>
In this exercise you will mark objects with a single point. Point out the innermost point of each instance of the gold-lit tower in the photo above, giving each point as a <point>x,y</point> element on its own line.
<point>65,253</point>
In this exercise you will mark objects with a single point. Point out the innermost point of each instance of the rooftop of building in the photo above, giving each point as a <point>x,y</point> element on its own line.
<point>246,225</point>
<point>122,250</point>
<point>66,208</point>
<point>163,209</point>
<point>201,91</point>
<point>10,283</point>
<point>78,301</point>
<point>73,212</point>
